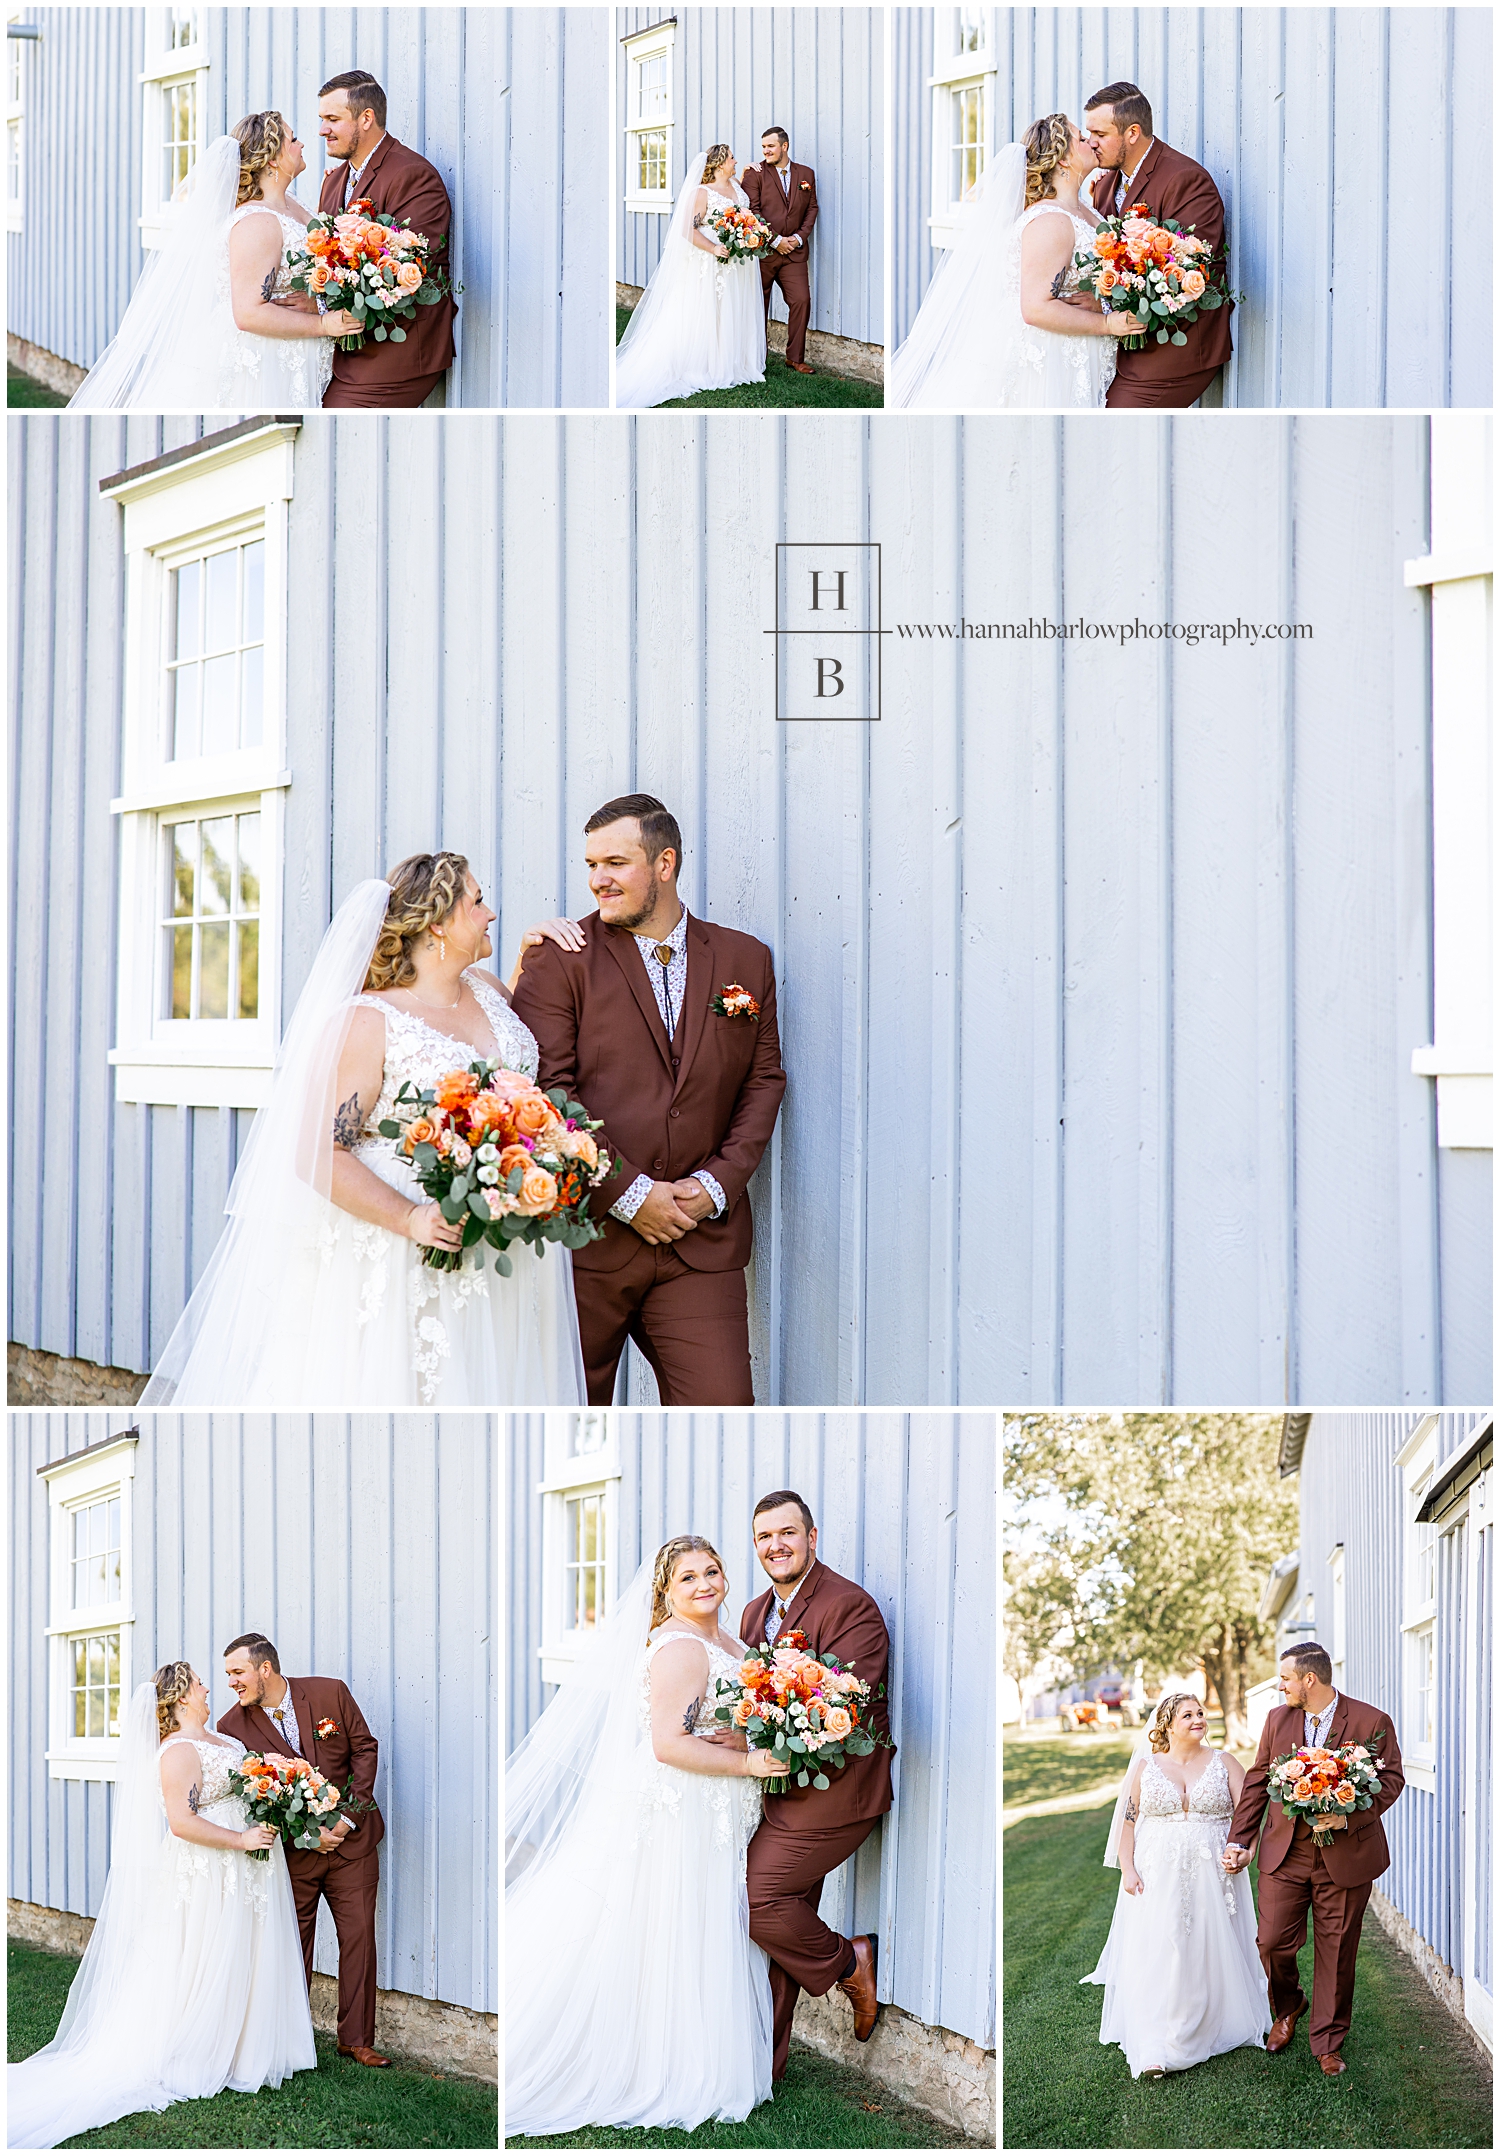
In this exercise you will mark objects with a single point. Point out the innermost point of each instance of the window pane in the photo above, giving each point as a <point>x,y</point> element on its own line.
<point>98,1566</point>
<point>255,592</point>
<point>186,711</point>
<point>80,1583</point>
<point>112,1659</point>
<point>249,984</point>
<point>250,863</point>
<point>96,1712</point>
<point>114,1524</point>
<point>571,1510</point>
<point>188,585</point>
<point>182,973</point>
<point>80,1534</point>
<point>184,30</point>
<point>590,1530</point>
<point>218,858</point>
<point>96,1663</point>
<point>251,697</point>
<point>112,1728</point>
<point>179,133</point>
<point>222,619</point>
<point>588,1611</point>
<point>213,971</point>
<point>98,1517</point>
<point>184,863</point>
<point>221,721</point>
<point>80,1712</point>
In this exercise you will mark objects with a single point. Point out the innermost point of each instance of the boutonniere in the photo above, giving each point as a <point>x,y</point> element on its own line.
<point>327,1728</point>
<point>807,187</point>
<point>732,1001</point>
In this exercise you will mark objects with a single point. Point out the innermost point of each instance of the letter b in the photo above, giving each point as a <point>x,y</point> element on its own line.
<point>830,669</point>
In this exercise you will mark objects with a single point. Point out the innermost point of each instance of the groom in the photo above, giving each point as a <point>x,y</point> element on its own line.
<point>1296,1872</point>
<point>688,1091</point>
<point>397,183</point>
<point>316,1719</point>
<point>785,196</point>
<point>808,1833</point>
<point>1136,168</point>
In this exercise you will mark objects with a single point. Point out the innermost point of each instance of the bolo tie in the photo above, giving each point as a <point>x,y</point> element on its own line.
<point>662,953</point>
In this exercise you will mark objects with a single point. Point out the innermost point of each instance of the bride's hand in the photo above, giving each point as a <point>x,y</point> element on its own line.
<point>762,1765</point>
<point>258,1837</point>
<point>1133,1882</point>
<point>340,323</point>
<point>425,1225</point>
<point>566,934</point>
<point>1122,325</point>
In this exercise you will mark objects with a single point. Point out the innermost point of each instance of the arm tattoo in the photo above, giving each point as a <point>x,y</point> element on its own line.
<point>1130,1811</point>
<point>692,1715</point>
<point>193,1800</point>
<point>347,1123</point>
<point>700,220</point>
<point>268,287</point>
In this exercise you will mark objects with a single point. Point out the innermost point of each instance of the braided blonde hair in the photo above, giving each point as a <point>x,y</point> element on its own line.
<point>1161,1721</point>
<point>1048,144</point>
<point>261,136</point>
<point>425,888</point>
<point>666,1565</point>
<point>174,1680</point>
<point>720,154</point>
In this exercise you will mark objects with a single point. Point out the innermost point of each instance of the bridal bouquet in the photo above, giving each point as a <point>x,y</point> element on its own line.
<point>742,235</point>
<point>806,1709</point>
<point>1313,1783</point>
<point>369,266</point>
<point>1153,270</point>
<point>511,1162</point>
<point>294,1799</point>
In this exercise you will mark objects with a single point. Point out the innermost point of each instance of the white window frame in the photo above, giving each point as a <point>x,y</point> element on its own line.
<point>660,39</point>
<point>166,67</point>
<point>15,123</point>
<point>239,483</point>
<point>1458,575</point>
<point>1479,2004</point>
<point>570,1472</point>
<point>104,1471</point>
<point>1417,1460</point>
<point>955,70</point>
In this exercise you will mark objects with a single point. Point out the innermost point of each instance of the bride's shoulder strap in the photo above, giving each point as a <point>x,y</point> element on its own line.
<point>665,1639</point>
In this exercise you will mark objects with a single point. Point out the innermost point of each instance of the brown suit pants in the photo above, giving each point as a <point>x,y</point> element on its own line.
<point>693,1328</point>
<point>1301,1882</point>
<point>380,396</point>
<point>790,272</point>
<point>349,1890</point>
<point>785,1873</point>
<point>1127,395</point>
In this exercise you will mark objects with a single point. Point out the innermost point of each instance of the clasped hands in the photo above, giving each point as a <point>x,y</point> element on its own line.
<point>670,1210</point>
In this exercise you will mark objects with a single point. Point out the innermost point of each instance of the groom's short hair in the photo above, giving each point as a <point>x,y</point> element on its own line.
<point>259,1649</point>
<point>1128,104</point>
<point>779,1498</point>
<point>779,132</point>
<point>658,824</point>
<point>1312,1660</point>
<point>363,92</point>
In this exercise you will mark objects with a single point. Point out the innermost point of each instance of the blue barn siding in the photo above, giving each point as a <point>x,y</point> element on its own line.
<point>1328,215</point>
<point>817,72</point>
<point>983,908</point>
<point>480,91</point>
<point>906,1505</point>
<point>362,1547</point>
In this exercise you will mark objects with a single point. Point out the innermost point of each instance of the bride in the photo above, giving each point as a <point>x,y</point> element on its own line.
<point>1182,1978</point>
<point>192,1979</point>
<point>997,330</point>
<point>634,1995</point>
<point>203,332</point>
<point>701,321</point>
<point>317,1293</point>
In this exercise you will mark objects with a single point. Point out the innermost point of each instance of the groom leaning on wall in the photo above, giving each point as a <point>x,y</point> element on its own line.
<point>396,183</point>
<point>1137,169</point>
<point>785,196</point>
<point>316,1719</point>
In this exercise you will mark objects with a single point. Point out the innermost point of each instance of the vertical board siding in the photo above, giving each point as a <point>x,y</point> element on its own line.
<point>1297,113</point>
<point>905,1504</point>
<point>1014,1163</point>
<point>482,92</point>
<point>817,72</point>
<point>364,1547</point>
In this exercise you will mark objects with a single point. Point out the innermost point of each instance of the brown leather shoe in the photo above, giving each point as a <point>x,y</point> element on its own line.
<point>1282,2027</point>
<point>860,1987</point>
<point>800,366</point>
<point>363,2053</point>
<point>1331,2063</point>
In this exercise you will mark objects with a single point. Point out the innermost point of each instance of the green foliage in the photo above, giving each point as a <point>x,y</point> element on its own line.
<point>781,390</point>
<point>24,393</point>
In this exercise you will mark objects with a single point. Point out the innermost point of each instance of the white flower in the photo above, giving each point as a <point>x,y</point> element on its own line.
<point>488,1174</point>
<point>489,1152</point>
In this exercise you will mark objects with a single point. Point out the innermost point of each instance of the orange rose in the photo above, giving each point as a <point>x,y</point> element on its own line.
<point>457,1088</point>
<point>580,1145</point>
<point>533,1114</point>
<point>537,1194</point>
<point>422,1132</point>
<point>743,1710</point>
<point>1302,1790</point>
<point>511,1158</point>
<point>409,276</point>
<point>838,1722</point>
<point>1107,280</point>
<point>1194,283</point>
<point>318,276</point>
<point>1345,1792</point>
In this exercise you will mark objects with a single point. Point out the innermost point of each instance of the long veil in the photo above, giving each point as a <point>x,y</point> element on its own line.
<point>657,319</point>
<point>279,1199</point>
<point>1100,1973</point>
<point>165,354</point>
<point>961,312</point>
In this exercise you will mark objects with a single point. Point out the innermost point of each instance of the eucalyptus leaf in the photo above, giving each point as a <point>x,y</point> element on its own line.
<point>820,1781</point>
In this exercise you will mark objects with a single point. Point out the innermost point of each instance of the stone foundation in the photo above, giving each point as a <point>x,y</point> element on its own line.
<point>418,2032</point>
<point>1448,1987</point>
<point>45,367</point>
<point>843,356</point>
<point>940,2073</point>
<point>35,1379</point>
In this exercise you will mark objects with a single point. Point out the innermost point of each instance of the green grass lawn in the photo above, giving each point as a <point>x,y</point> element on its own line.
<point>820,2105</point>
<point>1039,1768</point>
<point>782,389</point>
<point>21,391</point>
<point>341,2106</point>
<point>1412,2080</point>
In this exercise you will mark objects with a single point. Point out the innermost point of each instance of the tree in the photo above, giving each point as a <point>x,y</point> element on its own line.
<point>1148,1537</point>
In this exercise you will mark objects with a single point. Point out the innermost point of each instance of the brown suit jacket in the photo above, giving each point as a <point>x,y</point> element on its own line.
<point>790,216</point>
<point>1172,185</point>
<point>840,1619</point>
<point>709,1099</point>
<point>350,1750</point>
<point>1359,1852</point>
<point>398,183</point>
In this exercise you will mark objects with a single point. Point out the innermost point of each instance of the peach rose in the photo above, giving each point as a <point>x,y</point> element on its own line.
<point>1302,1790</point>
<point>579,1145</point>
<point>533,1114</point>
<point>1194,284</point>
<point>538,1192</point>
<point>511,1158</point>
<point>409,276</point>
<point>838,1722</point>
<point>1345,1792</point>
<point>1107,280</point>
<point>422,1132</point>
<point>743,1710</point>
<point>318,276</point>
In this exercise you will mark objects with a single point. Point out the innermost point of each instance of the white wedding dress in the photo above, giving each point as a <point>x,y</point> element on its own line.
<point>634,1995</point>
<point>205,1989</point>
<point>1182,1978</point>
<point>178,347</point>
<point>701,321</point>
<point>305,1305</point>
<point>969,348</point>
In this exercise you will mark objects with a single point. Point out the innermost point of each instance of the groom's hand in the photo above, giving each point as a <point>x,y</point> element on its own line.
<point>1235,1859</point>
<point>660,1219</point>
<point>693,1199</point>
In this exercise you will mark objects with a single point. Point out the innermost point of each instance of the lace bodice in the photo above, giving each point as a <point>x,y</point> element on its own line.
<point>218,1761</point>
<point>720,1664</point>
<point>1208,1798</point>
<point>254,368</point>
<point>417,1053</point>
